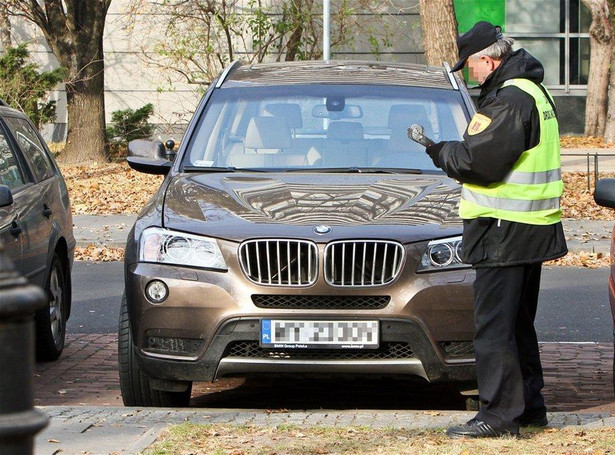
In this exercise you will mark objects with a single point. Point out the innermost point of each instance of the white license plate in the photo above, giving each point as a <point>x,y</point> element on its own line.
<point>292,334</point>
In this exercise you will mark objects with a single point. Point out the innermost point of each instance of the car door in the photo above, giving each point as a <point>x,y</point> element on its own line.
<point>12,228</point>
<point>36,210</point>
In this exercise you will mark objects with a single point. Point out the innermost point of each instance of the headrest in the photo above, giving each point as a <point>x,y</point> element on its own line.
<point>289,112</point>
<point>404,115</point>
<point>267,133</point>
<point>345,131</point>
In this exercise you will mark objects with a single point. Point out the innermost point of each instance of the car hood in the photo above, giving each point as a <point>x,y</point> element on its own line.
<point>238,206</point>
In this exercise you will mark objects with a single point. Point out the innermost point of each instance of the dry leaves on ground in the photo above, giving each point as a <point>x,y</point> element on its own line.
<point>578,142</point>
<point>582,259</point>
<point>109,188</point>
<point>99,253</point>
<point>578,202</point>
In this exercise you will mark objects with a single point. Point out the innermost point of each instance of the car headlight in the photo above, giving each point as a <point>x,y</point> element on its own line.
<point>171,247</point>
<point>443,254</point>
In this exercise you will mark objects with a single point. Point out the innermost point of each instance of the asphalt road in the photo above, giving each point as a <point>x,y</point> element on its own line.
<point>573,302</point>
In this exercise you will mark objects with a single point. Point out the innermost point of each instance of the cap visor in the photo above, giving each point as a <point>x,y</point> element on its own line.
<point>460,64</point>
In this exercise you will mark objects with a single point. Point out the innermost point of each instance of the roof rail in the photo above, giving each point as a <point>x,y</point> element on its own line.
<point>227,71</point>
<point>450,75</point>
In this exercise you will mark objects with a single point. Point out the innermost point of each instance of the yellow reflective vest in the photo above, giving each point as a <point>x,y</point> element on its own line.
<point>531,192</point>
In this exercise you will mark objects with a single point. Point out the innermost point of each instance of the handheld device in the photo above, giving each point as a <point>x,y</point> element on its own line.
<point>417,134</point>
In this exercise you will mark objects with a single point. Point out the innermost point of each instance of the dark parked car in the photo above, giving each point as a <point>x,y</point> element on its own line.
<point>299,231</point>
<point>36,225</point>
<point>605,196</point>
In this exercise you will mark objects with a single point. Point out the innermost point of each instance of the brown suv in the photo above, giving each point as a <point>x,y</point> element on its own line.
<point>299,230</point>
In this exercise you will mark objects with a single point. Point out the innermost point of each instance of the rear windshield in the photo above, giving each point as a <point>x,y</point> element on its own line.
<point>323,126</point>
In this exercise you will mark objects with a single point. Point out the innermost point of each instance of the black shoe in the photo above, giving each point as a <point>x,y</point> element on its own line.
<point>534,421</point>
<point>478,429</point>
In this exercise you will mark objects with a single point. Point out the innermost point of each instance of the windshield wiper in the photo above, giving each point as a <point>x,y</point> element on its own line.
<point>358,170</point>
<point>220,169</point>
<point>332,170</point>
<point>389,170</point>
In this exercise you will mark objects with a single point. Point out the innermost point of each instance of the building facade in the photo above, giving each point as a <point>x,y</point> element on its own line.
<point>555,31</point>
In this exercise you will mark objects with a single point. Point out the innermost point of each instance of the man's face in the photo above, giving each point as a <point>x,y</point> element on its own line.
<point>481,67</point>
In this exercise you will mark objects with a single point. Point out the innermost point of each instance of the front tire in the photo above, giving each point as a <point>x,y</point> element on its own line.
<point>134,384</point>
<point>51,320</point>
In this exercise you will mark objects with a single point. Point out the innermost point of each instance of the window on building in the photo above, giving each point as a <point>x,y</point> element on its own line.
<point>554,31</point>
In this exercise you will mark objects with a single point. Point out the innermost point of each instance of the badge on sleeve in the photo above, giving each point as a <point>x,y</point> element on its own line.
<point>478,124</point>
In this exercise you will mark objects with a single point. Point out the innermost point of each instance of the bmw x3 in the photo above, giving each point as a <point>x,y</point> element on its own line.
<point>300,231</point>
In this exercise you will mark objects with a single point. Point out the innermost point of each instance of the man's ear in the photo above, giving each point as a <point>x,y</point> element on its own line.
<point>489,62</point>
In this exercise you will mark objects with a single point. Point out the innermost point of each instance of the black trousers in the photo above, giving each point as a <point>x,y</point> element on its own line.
<point>507,357</point>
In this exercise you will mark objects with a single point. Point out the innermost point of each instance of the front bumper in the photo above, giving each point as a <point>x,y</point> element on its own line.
<point>209,327</point>
<point>221,359</point>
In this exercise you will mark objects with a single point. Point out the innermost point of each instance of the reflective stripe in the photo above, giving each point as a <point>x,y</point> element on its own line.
<point>513,205</point>
<point>534,178</point>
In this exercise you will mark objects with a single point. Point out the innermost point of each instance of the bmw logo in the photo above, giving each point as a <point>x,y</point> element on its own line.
<point>322,229</point>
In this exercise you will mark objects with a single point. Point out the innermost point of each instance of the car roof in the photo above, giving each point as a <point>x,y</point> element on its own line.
<point>6,109</point>
<point>337,72</point>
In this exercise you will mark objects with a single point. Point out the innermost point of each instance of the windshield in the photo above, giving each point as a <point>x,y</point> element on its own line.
<point>303,127</point>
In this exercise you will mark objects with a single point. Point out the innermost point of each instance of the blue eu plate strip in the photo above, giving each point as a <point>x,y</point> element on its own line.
<point>266,331</point>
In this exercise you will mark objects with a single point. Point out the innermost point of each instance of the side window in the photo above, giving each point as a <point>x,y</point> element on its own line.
<point>31,146</point>
<point>10,174</point>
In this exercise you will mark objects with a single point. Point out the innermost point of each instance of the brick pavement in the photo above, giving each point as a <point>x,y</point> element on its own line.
<point>578,378</point>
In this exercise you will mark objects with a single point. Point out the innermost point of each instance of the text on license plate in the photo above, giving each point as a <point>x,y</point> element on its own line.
<point>319,334</point>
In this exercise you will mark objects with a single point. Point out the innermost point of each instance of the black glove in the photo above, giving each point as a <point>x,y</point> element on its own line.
<point>434,152</point>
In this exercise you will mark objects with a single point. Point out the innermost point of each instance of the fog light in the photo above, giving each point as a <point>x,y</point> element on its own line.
<point>156,291</point>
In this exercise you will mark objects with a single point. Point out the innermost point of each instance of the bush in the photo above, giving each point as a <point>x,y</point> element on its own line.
<point>130,124</point>
<point>23,87</point>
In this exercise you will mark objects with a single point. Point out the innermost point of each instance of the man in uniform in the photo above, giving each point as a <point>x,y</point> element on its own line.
<point>509,165</point>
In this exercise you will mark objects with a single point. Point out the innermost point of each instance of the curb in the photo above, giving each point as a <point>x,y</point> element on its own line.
<point>87,429</point>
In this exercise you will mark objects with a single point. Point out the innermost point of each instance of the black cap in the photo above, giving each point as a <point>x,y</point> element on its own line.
<point>479,37</point>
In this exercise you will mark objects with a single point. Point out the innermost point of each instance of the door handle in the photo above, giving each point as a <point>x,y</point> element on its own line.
<point>47,211</point>
<point>15,229</point>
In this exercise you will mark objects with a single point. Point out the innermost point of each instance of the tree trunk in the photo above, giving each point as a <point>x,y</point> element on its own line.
<point>5,28</point>
<point>85,103</point>
<point>609,130</point>
<point>293,45</point>
<point>600,38</point>
<point>439,26</point>
<point>74,32</point>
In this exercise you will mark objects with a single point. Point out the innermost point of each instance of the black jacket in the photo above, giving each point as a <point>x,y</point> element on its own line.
<point>487,157</point>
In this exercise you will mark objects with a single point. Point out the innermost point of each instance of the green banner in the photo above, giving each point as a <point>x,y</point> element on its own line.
<point>469,12</point>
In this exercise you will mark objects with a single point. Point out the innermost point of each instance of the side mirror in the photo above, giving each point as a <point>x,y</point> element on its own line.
<point>6,197</point>
<point>143,148</point>
<point>149,166</point>
<point>150,157</point>
<point>604,194</point>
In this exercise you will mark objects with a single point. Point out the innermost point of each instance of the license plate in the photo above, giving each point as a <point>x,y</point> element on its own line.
<point>292,334</point>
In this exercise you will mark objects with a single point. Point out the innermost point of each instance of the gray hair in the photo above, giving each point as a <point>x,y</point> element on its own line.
<point>500,49</point>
